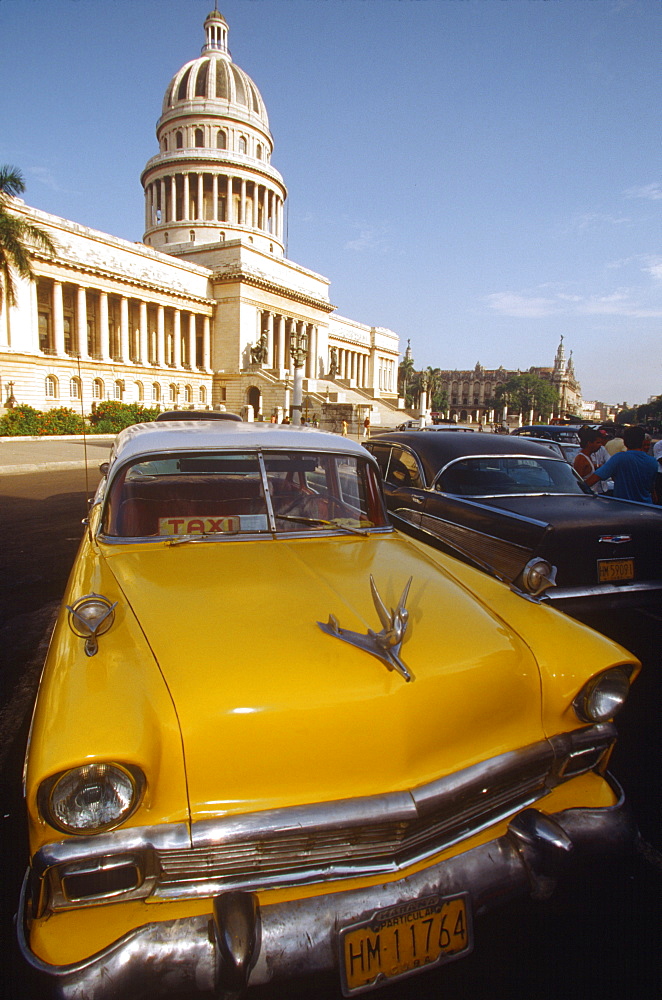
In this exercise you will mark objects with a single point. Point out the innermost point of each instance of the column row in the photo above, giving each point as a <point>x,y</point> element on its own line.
<point>278,333</point>
<point>206,197</point>
<point>354,366</point>
<point>89,323</point>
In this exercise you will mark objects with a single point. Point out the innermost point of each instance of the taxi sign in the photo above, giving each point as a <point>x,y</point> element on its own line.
<point>198,525</point>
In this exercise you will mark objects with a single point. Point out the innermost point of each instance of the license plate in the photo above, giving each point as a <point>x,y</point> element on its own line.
<point>399,940</point>
<point>613,570</point>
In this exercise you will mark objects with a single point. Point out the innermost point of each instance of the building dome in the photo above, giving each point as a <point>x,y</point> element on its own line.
<point>214,77</point>
<point>212,179</point>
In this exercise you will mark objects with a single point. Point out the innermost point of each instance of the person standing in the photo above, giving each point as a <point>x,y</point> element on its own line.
<point>588,460</point>
<point>366,427</point>
<point>344,428</point>
<point>657,455</point>
<point>632,470</point>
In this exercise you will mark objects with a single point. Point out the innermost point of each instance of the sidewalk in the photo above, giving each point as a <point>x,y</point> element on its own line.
<point>38,454</point>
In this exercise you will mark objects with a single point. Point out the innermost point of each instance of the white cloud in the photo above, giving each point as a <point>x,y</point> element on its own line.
<point>621,302</point>
<point>592,220</point>
<point>522,306</point>
<point>44,176</point>
<point>652,192</point>
<point>368,239</point>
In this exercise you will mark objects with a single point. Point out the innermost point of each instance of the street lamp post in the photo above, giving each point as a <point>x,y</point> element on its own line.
<point>298,353</point>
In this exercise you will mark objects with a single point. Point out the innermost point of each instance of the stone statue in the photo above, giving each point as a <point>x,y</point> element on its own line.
<point>259,351</point>
<point>333,365</point>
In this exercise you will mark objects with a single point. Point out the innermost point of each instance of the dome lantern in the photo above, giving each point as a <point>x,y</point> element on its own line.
<point>216,29</point>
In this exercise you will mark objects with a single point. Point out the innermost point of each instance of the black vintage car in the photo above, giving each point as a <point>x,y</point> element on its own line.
<point>518,511</point>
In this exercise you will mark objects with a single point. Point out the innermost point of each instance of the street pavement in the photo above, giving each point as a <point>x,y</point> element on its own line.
<point>36,454</point>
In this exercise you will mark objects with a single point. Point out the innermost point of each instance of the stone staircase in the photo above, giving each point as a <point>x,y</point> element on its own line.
<point>332,400</point>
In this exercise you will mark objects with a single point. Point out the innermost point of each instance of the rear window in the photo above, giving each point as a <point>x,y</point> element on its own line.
<point>242,493</point>
<point>496,476</point>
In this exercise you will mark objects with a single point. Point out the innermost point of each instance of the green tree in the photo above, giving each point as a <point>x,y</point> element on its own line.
<point>525,392</point>
<point>405,379</point>
<point>18,238</point>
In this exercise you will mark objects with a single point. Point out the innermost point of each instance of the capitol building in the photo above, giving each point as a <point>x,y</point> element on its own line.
<point>206,312</point>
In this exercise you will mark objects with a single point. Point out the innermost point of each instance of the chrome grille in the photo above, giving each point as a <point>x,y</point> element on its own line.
<point>265,850</point>
<point>324,841</point>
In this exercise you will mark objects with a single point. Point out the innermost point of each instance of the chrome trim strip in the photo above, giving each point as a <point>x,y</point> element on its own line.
<point>603,590</point>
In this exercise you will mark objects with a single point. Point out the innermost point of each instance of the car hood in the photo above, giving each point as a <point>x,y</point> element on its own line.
<point>274,711</point>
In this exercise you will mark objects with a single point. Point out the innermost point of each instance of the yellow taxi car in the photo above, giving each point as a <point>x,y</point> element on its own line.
<point>275,736</point>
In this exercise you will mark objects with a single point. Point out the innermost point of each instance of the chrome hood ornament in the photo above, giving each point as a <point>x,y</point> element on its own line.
<point>385,645</point>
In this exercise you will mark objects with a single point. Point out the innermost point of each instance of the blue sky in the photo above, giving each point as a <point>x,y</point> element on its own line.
<point>481,176</point>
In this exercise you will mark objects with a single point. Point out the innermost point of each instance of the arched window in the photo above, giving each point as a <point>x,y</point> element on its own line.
<point>192,236</point>
<point>140,392</point>
<point>243,145</point>
<point>221,139</point>
<point>202,394</point>
<point>179,140</point>
<point>199,138</point>
<point>258,151</point>
<point>118,389</point>
<point>187,393</point>
<point>156,392</point>
<point>74,388</point>
<point>97,389</point>
<point>174,392</point>
<point>51,387</point>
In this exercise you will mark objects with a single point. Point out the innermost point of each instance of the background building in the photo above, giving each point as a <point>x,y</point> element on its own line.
<point>471,394</point>
<point>208,310</point>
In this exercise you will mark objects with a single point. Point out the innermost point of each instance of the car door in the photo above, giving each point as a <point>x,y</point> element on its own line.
<point>404,485</point>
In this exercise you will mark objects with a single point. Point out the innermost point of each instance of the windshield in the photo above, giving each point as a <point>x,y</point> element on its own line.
<point>239,493</point>
<point>501,476</point>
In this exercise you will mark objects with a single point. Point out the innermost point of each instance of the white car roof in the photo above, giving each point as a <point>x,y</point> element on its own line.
<point>214,435</point>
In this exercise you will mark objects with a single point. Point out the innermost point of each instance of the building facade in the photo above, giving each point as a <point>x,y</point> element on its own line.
<point>207,310</point>
<point>472,393</point>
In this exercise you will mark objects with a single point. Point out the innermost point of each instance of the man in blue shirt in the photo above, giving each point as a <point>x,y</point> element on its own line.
<point>632,470</point>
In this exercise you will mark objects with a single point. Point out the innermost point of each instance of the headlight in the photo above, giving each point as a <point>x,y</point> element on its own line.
<point>91,798</point>
<point>603,696</point>
<point>538,576</point>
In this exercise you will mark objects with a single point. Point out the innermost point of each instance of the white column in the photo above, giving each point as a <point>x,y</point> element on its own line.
<point>177,339</point>
<point>104,340</point>
<point>254,213</point>
<point>243,202</point>
<point>191,341</point>
<point>81,321</point>
<point>206,343</point>
<point>186,214</point>
<point>214,197</point>
<point>201,204</point>
<point>58,318</point>
<point>172,214</point>
<point>270,340</point>
<point>160,336</point>
<point>144,335</point>
<point>124,329</point>
<point>280,348</point>
<point>228,201</point>
<point>308,327</point>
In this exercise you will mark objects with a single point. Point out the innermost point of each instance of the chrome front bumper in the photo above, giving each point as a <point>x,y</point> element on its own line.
<point>242,943</point>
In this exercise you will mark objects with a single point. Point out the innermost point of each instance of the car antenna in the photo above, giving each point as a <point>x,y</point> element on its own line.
<point>82,413</point>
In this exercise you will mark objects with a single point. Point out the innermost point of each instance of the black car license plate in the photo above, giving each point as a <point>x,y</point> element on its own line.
<point>399,940</point>
<point>615,570</point>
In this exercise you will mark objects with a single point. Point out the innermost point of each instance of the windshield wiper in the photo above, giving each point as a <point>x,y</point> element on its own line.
<point>198,536</point>
<point>323,523</point>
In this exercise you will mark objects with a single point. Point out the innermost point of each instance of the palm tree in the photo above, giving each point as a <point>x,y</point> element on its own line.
<point>17,237</point>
